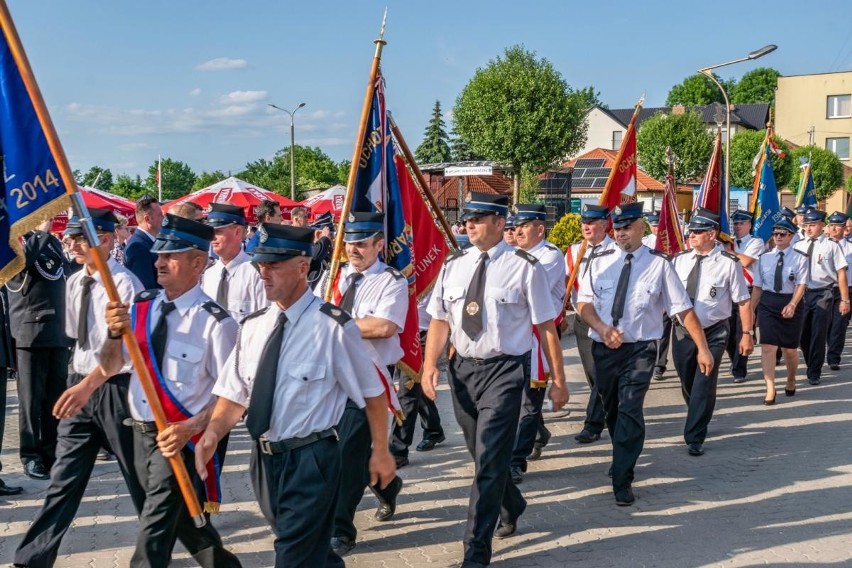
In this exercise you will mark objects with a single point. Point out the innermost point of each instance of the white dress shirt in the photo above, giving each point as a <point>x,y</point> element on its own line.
<point>606,244</point>
<point>550,258</point>
<point>86,359</point>
<point>322,364</point>
<point>650,241</point>
<point>826,260</point>
<point>751,247</point>
<point>245,288</point>
<point>721,282</point>
<point>197,346</point>
<point>517,296</point>
<point>653,289</point>
<point>793,273</point>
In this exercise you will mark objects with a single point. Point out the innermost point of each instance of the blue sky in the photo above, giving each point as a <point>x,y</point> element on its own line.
<point>191,80</point>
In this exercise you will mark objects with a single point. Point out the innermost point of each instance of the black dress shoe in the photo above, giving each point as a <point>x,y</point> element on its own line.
<point>834,366</point>
<point>517,474</point>
<point>430,443</point>
<point>36,470</point>
<point>387,499</point>
<point>401,461</point>
<point>505,530</point>
<point>8,490</point>
<point>813,381</point>
<point>586,437</point>
<point>535,455</point>
<point>658,375</point>
<point>770,401</point>
<point>695,449</point>
<point>471,564</point>
<point>624,497</point>
<point>790,392</point>
<point>342,545</point>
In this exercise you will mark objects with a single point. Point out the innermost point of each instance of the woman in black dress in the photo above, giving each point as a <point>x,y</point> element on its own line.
<point>779,285</point>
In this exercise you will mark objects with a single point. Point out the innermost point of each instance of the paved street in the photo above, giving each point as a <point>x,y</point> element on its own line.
<point>774,488</point>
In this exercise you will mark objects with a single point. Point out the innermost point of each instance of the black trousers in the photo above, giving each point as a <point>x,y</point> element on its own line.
<point>42,376</point>
<point>624,375</point>
<point>80,438</point>
<point>595,415</point>
<point>837,333</point>
<point>414,403</point>
<point>297,492</point>
<point>699,390</point>
<point>663,350</point>
<point>739,363</point>
<point>164,517</point>
<point>819,305</point>
<point>530,422</point>
<point>487,403</point>
<point>4,377</point>
<point>355,449</point>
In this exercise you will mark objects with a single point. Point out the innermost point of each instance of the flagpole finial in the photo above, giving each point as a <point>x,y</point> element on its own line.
<point>641,101</point>
<point>381,38</point>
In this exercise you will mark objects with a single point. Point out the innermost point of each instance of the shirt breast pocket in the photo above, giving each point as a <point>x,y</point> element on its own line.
<point>506,303</point>
<point>181,363</point>
<point>645,292</point>
<point>603,290</point>
<point>304,382</point>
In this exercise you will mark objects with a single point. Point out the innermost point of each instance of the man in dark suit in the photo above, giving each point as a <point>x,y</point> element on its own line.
<point>37,317</point>
<point>7,362</point>
<point>138,257</point>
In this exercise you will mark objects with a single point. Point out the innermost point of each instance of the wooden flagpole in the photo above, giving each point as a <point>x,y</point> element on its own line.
<point>356,157</point>
<point>421,181</point>
<point>67,176</point>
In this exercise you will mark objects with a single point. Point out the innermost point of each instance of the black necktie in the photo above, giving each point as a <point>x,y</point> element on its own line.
<point>621,291</point>
<point>693,278</point>
<point>810,259</point>
<point>160,333</point>
<point>474,300</point>
<point>222,292</point>
<point>779,269</point>
<point>347,302</point>
<point>263,390</point>
<point>83,318</point>
<point>739,242</point>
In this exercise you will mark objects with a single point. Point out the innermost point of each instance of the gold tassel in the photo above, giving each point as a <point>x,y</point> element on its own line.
<point>212,507</point>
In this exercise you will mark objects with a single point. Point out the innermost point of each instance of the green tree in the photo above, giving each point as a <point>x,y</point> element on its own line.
<point>520,111</point>
<point>529,187</point>
<point>104,181</point>
<point>459,149</point>
<point>126,186</point>
<point>591,97</point>
<point>744,147</point>
<point>688,138</point>
<point>313,169</point>
<point>826,169</point>
<point>435,147</point>
<point>756,86</point>
<point>566,231</point>
<point>206,179</point>
<point>697,90</point>
<point>343,171</point>
<point>849,184</point>
<point>177,179</point>
<point>268,174</point>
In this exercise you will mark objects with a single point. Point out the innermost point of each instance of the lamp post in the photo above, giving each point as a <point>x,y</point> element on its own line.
<point>708,72</point>
<point>292,144</point>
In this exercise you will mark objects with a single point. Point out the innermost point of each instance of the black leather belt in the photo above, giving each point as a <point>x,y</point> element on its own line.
<point>291,444</point>
<point>141,427</point>
<point>823,289</point>
<point>475,361</point>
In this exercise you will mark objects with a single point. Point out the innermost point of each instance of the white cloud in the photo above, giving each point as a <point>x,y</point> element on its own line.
<point>233,110</point>
<point>243,97</point>
<point>222,63</point>
<point>195,92</point>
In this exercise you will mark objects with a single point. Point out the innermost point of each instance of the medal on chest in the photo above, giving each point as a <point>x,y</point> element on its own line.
<point>712,291</point>
<point>472,308</point>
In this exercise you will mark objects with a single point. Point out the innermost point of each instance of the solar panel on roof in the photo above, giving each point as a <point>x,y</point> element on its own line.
<point>599,182</point>
<point>583,182</point>
<point>589,163</point>
<point>597,172</point>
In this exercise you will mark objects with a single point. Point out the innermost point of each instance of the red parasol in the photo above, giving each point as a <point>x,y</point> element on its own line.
<point>236,192</point>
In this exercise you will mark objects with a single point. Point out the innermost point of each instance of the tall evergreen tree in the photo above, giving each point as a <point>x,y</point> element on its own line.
<point>459,150</point>
<point>435,146</point>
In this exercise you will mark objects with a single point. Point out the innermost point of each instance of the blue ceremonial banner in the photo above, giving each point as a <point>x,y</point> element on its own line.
<point>32,189</point>
<point>806,195</point>
<point>767,209</point>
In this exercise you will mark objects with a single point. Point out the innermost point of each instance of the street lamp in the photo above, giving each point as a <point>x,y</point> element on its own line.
<point>292,144</point>
<point>708,72</point>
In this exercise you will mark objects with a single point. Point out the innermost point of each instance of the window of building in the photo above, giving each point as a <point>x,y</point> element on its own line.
<point>839,106</point>
<point>840,147</point>
<point>616,139</point>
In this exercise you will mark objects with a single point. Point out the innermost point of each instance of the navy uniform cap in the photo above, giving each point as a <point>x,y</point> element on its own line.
<point>361,226</point>
<point>463,242</point>
<point>104,220</point>
<point>785,224</point>
<point>624,214</point>
<point>224,214</point>
<point>510,222</point>
<point>814,216</point>
<point>590,212</point>
<point>653,218</point>
<point>838,218</point>
<point>702,220</point>
<point>740,215</point>
<point>787,212</point>
<point>179,234</point>
<point>526,212</point>
<point>282,242</point>
<point>480,204</point>
<point>802,209</point>
<point>324,220</point>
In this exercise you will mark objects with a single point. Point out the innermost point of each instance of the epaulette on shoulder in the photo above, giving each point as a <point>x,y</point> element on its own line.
<point>146,295</point>
<point>552,247</point>
<point>682,252</point>
<point>655,252</point>
<point>802,252</point>
<point>396,273</point>
<point>526,256</point>
<point>335,313</point>
<point>216,310</point>
<point>731,255</point>
<point>604,252</point>
<point>259,312</point>
<point>454,255</point>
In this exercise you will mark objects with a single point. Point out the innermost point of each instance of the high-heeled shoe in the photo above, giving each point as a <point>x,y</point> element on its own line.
<point>790,392</point>
<point>770,401</point>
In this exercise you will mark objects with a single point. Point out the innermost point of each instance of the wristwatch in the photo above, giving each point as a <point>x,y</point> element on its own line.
<point>749,332</point>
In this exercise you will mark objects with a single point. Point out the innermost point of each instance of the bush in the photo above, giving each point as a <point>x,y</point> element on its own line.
<point>566,231</point>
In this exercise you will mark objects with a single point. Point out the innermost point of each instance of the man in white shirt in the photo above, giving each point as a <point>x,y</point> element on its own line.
<point>748,249</point>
